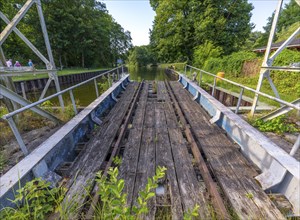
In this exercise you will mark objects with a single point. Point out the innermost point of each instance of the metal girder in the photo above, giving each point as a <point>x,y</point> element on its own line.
<point>280,111</point>
<point>280,68</point>
<point>9,28</point>
<point>45,33</point>
<point>29,44</point>
<point>268,60</point>
<point>286,43</point>
<point>20,100</point>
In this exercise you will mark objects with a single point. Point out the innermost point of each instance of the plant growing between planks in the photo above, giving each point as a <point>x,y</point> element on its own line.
<point>114,201</point>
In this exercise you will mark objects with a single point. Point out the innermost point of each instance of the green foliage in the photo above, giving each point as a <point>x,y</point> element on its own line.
<point>191,213</point>
<point>231,64</point>
<point>3,160</point>
<point>141,56</point>
<point>181,26</point>
<point>3,111</point>
<point>278,125</point>
<point>114,201</point>
<point>34,201</point>
<point>205,51</point>
<point>286,32</point>
<point>289,16</point>
<point>287,82</point>
<point>47,103</point>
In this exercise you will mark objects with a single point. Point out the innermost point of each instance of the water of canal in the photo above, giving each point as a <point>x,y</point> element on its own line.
<point>85,94</point>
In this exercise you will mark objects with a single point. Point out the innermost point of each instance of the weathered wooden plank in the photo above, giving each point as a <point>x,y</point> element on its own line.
<point>164,158</point>
<point>230,167</point>
<point>100,147</point>
<point>84,155</point>
<point>130,158</point>
<point>191,191</point>
<point>146,167</point>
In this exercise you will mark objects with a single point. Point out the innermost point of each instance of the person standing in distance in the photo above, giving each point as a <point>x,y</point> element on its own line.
<point>9,63</point>
<point>17,64</point>
<point>30,63</point>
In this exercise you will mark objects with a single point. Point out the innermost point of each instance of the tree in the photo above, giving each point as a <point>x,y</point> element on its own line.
<point>141,56</point>
<point>180,26</point>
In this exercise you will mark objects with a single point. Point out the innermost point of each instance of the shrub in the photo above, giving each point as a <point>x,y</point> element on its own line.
<point>231,64</point>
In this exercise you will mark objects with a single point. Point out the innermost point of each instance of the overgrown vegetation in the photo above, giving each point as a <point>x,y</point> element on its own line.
<point>34,201</point>
<point>37,199</point>
<point>278,125</point>
<point>114,200</point>
<point>231,64</point>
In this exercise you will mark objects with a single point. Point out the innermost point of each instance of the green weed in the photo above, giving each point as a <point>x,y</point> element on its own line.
<point>114,201</point>
<point>34,201</point>
<point>190,214</point>
<point>277,125</point>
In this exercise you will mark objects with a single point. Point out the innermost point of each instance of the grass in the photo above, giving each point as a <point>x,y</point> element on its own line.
<point>59,73</point>
<point>249,82</point>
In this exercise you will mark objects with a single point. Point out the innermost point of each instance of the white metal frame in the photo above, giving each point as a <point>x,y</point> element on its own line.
<point>11,26</point>
<point>268,60</point>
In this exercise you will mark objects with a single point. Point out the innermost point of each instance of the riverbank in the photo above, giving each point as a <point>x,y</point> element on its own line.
<point>59,73</point>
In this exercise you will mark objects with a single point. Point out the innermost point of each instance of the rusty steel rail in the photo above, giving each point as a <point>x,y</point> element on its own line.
<point>217,200</point>
<point>116,147</point>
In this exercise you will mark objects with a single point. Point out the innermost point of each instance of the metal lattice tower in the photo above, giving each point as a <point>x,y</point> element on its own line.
<point>267,64</point>
<point>49,62</point>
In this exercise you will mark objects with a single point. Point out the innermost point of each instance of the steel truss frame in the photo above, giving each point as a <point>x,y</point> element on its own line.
<point>268,60</point>
<point>11,27</point>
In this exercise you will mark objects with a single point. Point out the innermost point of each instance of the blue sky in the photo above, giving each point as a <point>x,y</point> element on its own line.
<point>137,16</point>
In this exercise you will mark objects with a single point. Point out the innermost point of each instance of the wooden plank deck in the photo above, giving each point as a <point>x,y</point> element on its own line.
<point>155,137</point>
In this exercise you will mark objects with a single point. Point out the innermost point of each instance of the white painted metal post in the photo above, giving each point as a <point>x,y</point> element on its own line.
<point>296,146</point>
<point>96,87</point>
<point>23,90</point>
<point>17,135</point>
<point>185,70</point>
<point>49,51</point>
<point>73,102</point>
<point>200,79</point>
<point>213,90</point>
<point>266,61</point>
<point>239,101</point>
<point>45,88</point>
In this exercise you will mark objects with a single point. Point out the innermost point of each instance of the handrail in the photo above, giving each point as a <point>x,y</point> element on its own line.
<point>247,88</point>
<point>11,114</point>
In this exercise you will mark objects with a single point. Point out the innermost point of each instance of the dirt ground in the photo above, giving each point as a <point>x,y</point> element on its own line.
<point>11,153</point>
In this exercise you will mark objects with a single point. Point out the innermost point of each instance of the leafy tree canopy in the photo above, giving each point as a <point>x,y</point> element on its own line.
<point>181,26</point>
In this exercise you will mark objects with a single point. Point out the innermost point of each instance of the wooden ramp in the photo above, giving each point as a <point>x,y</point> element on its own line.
<point>157,136</point>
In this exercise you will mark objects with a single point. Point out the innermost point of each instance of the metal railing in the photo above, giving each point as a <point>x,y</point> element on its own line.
<point>296,145</point>
<point>242,88</point>
<point>9,117</point>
